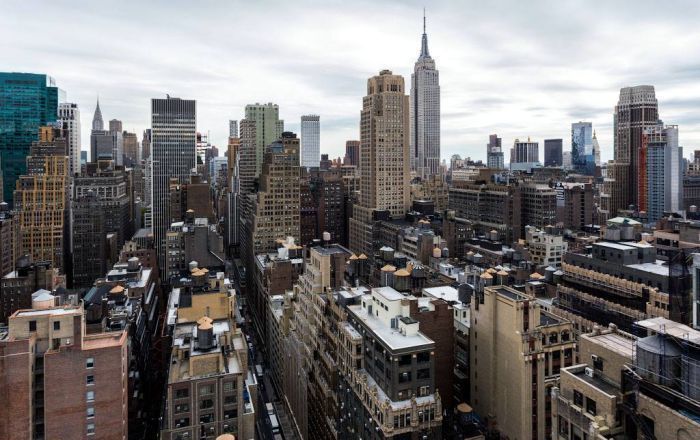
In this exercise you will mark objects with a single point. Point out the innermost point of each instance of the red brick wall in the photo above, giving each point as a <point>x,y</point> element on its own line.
<point>438,325</point>
<point>15,390</point>
<point>65,393</point>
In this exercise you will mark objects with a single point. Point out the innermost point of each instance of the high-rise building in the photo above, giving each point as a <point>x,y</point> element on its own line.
<point>310,140</point>
<point>553,153</point>
<point>247,154</point>
<point>41,197</point>
<point>525,152</point>
<point>582,155</point>
<point>268,129</point>
<point>98,122</point>
<point>131,148</point>
<point>494,153</point>
<point>425,113</point>
<point>352,153</point>
<point>173,140</point>
<point>105,144</point>
<point>9,237</point>
<point>662,191</point>
<point>146,144</point>
<point>65,383</point>
<point>516,353</point>
<point>384,158</point>
<point>232,128</point>
<point>69,117</point>
<point>636,110</point>
<point>115,125</point>
<point>29,101</point>
<point>88,240</point>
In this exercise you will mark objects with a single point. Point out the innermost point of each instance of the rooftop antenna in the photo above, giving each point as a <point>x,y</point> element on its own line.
<point>423,19</point>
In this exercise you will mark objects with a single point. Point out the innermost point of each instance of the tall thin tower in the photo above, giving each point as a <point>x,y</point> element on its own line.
<point>425,113</point>
<point>173,142</point>
<point>69,115</point>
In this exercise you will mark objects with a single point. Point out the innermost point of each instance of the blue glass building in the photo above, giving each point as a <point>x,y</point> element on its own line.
<point>582,154</point>
<point>27,101</point>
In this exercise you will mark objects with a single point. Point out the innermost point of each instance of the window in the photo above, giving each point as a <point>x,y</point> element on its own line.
<point>90,363</point>
<point>206,390</point>
<point>405,360</point>
<point>90,396</point>
<point>229,400</point>
<point>91,411</point>
<point>179,423</point>
<point>185,407</point>
<point>405,377</point>
<point>423,373</point>
<point>228,386</point>
<point>590,406</point>
<point>32,326</point>
<point>91,428</point>
<point>57,325</point>
<point>206,404</point>
<point>182,393</point>
<point>423,356</point>
<point>578,398</point>
<point>90,379</point>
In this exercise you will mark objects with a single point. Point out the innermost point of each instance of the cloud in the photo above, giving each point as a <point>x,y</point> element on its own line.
<point>510,67</point>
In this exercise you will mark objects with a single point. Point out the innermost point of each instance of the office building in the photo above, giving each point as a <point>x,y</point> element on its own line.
<point>582,155</point>
<point>41,198</point>
<point>110,185</point>
<point>29,101</point>
<point>636,110</point>
<point>516,353</point>
<point>525,152</point>
<point>207,393</point>
<point>384,158</point>
<point>660,189</point>
<point>69,118</point>
<point>89,239</point>
<point>494,153</point>
<point>41,347</point>
<point>553,153</point>
<point>268,128</point>
<point>115,126</point>
<point>9,237</point>
<point>425,113</point>
<point>310,141</point>
<point>575,206</point>
<point>146,144</point>
<point>232,128</point>
<point>352,153</point>
<point>131,149</point>
<point>173,139</point>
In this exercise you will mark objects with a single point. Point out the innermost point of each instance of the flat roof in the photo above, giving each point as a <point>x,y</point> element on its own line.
<point>390,336</point>
<point>614,245</point>
<point>52,311</point>
<point>614,341</point>
<point>448,293</point>
<point>388,293</point>
<point>658,268</point>
<point>666,326</point>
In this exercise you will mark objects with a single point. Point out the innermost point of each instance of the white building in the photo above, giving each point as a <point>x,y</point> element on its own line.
<point>545,249</point>
<point>310,141</point>
<point>69,117</point>
<point>425,114</point>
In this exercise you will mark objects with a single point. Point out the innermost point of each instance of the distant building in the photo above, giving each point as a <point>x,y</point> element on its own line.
<point>88,237</point>
<point>43,344</point>
<point>525,152</point>
<point>69,117</point>
<point>310,141</point>
<point>425,113</point>
<point>494,153</point>
<point>17,286</point>
<point>10,239</point>
<point>232,128</point>
<point>352,153</point>
<point>553,153</point>
<point>661,191</point>
<point>266,128</point>
<point>384,129</point>
<point>131,148</point>
<point>29,101</point>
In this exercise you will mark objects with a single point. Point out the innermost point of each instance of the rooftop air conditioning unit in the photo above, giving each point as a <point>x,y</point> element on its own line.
<point>589,371</point>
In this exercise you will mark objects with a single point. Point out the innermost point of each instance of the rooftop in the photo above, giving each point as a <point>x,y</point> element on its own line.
<point>666,326</point>
<point>389,293</point>
<point>448,293</point>
<point>615,341</point>
<point>392,337</point>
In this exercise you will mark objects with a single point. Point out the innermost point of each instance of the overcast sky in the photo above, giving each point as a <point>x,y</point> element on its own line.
<point>516,68</point>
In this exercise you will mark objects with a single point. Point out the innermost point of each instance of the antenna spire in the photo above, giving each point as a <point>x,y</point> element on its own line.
<point>423,20</point>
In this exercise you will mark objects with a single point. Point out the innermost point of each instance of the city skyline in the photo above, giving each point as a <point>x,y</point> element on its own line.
<point>480,94</point>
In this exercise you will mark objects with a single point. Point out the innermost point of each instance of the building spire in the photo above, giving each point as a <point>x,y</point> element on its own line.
<point>97,121</point>
<point>424,42</point>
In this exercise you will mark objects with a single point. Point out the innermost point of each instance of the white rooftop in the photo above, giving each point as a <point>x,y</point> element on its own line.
<point>392,337</point>
<point>658,268</point>
<point>448,293</point>
<point>389,293</point>
<point>672,328</point>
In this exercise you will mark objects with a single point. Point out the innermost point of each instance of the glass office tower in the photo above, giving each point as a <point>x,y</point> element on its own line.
<point>27,102</point>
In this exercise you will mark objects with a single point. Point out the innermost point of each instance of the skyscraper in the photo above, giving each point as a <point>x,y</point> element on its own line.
<point>425,113</point>
<point>268,128</point>
<point>97,122</point>
<point>88,240</point>
<point>310,140</point>
<point>131,148</point>
<point>384,158</point>
<point>525,152</point>
<point>69,117</point>
<point>553,153</point>
<point>352,153</point>
<point>582,155</point>
<point>41,197</point>
<point>173,140</point>
<point>29,101</point>
<point>662,191</point>
<point>106,144</point>
<point>636,110</point>
<point>494,153</point>
<point>232,128</point>
<point>115,125</point>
